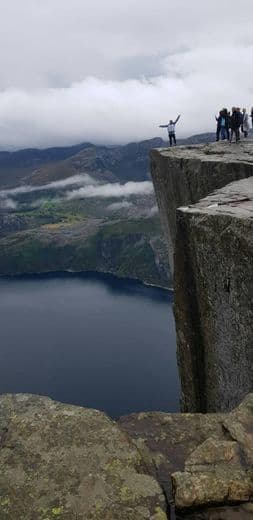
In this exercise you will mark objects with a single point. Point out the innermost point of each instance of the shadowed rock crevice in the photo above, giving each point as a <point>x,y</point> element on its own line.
<point>208,456</point>
<point>189,332</point>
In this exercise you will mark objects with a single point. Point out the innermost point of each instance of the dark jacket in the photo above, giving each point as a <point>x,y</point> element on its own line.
<point>223,118</point>
<point>236,120</point>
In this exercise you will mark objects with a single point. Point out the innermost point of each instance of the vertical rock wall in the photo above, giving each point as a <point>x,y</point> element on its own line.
<point>214,298</point>
<point>183,175</point>
<point>213,242</point>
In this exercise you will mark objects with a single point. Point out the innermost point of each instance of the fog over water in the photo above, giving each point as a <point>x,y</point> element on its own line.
<point>91,340</point>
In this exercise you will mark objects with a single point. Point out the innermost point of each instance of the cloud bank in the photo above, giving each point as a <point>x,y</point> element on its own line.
<point>115,206</point>
<point>112,72</point>
<point>8,203</point>
<point>90,188</point>
<point>112,190</point>
<point>82,180</point>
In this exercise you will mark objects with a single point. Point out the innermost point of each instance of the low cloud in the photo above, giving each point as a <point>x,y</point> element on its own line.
<point>114,190</point>
<point>8,203</point>
<point>153,211</point>
<point>90,188</point>
<point>82,180</point>
<point>119,205</point>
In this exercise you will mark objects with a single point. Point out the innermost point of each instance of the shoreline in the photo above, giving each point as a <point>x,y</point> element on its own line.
<point>70,272</point>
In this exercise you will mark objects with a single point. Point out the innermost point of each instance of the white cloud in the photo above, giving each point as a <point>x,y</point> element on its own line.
<point>90,188</point>
<point>153,211</point>
<point>114,190</point>
<point>119,205</point>
<point>112,71</point>
<point>82,180</point>
<point>8,203</point>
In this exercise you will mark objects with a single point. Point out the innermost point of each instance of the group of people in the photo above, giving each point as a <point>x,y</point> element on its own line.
<point>230,124</point>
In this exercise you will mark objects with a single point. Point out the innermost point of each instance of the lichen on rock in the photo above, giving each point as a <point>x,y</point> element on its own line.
<point>61,462</point>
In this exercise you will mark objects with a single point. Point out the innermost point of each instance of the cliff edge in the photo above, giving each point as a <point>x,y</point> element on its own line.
<point>185,174</point>
<point>210,242</point>
<point>214,298</point>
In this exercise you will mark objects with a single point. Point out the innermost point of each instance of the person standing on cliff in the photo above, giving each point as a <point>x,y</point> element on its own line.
<point>245,123</point>
<point>235,123</point>
<point>171,127</point>
<point>222,125</point>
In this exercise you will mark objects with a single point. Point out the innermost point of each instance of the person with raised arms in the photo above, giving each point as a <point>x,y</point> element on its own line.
<point>171,128</point>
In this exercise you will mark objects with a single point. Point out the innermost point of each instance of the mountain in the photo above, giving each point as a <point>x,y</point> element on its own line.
<point>207,137</point>
<point>115,163</point>
<point>112,163</point>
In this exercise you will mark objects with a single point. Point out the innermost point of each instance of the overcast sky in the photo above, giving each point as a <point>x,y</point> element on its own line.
<point>108,71</point>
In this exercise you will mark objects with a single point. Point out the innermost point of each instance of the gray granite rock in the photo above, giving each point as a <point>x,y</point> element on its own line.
<point>214,298</point>
<point>185,174</point>
<point>220,470</point>
<point>62,462</point>
<point>166,440</point>
<point>207,458</point>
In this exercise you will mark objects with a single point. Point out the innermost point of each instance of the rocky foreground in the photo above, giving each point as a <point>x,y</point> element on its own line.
<point>64,462</point>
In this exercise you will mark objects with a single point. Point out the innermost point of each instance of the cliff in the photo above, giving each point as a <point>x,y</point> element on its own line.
<point>211,244</point>
<point>183,175</point>
<point>213,298</point>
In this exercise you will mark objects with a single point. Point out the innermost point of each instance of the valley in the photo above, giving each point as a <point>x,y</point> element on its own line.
<point>92,211</point>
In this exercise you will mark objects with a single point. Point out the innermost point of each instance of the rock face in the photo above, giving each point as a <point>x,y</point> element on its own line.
<point>186,174</point>
<point>220,470</point>
<point>209,457</point>
<point>213,298</point>
<point>212,244</point>
<point>63,462</point>
<point>166,440</point>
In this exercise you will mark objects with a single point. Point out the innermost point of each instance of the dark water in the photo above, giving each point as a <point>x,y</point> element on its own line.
<point>90,340</point>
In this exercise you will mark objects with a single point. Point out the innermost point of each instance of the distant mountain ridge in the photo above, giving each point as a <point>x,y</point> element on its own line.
<point>125,162</point>
<point>108,163</point>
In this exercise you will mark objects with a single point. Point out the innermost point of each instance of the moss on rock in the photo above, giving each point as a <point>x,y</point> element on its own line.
<point>61,462</point>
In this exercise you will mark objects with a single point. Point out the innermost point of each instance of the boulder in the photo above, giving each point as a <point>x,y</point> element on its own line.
<point>62,462</point>
<point>166,440</point>
<point>220,470</point>
<point>199,460</point>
